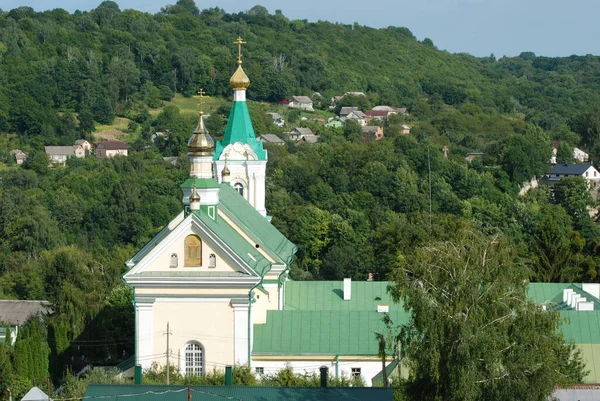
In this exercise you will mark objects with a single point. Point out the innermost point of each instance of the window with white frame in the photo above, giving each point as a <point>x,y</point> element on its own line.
<point>194,359</point>
<point>355,372</point>
<point>259,370</point>
<point>239,188</point>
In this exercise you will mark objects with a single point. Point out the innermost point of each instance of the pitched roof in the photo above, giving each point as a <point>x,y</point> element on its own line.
<point>255,225</point>
<point>275,116</point>
<point>357,114</point>
<point>59,150</point>
<point>328,295</point>
<point>247,393</point>
<point>301,99</point>
<point>112,145</point>
<point>35,394</point>
<point>310,138</point>
<point>376,113</point>
<point>239,129</point>
<point>322,332</point>
<point>347,110</point>
<point>569,169</point>
<point>271,138</point>
<point>15,312</point>
<point>384,108</point>
<point>370,129</point>
<point>303,131</point>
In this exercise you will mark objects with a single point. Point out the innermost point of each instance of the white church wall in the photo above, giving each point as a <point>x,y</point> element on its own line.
<point>368,368</point>
<point>163,261</point>
<point>207,321</point>
<point>264,303</point>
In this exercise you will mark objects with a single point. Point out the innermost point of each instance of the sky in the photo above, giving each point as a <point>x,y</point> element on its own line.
<point>552,28</point>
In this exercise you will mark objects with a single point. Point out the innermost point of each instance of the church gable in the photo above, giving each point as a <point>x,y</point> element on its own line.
<point>199,247</point>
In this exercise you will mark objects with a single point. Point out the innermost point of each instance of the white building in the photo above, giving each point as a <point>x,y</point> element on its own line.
<point>216,276</point>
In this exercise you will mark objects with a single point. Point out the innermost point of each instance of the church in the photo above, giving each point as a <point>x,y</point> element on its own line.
<point>212,289</point>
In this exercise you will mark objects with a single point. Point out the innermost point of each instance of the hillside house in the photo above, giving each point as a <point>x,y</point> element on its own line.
<point>277,119</point>
<point>299,133</point>
<point>334,123</point>
<point>111,148</point>
<point>560,171</point>
<point>579,156</point>
<point>404,129</point>
<point>475,155</point>
<point>60,154</point>
<point>19,156</point>
<point>84,144</point>
<point>344,111</point>
<point>356,115</point>
<point>372,133</point>
<point>301,103</point>
<point>271,138</point>
<point>14,314</point>
<point>308,139</point>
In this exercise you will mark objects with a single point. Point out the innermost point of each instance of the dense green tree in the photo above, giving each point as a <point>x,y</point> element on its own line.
<point>473,334</point>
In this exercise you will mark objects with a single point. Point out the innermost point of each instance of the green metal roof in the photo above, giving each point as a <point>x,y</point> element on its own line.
<point>329,295</point>
<point>581,327</point>
<point>239,129</point>
<point>111,392</point>
<point>332,332</point>
<point>255,225</point>
<point>551,294</point>
<point>200,183</point>
<point>237,243</point>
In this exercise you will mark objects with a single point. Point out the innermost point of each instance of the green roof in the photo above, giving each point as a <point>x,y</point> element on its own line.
<point>236,242</point>
<point>200,183</point>
<point>350,333</point>
<point>239,129</point>
<point>551,294</point>
<point>329,295</point>
<point>581,327</point>
<point>111,392</point>
<point>255,225</point>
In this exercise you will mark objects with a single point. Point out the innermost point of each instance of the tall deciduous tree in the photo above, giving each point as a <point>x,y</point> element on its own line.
<point>473,334</point>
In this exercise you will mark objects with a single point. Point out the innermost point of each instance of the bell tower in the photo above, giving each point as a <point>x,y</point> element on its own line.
<point>240,155</point>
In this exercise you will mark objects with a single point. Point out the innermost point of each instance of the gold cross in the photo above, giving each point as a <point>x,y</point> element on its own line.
<point>201,95</point>
<point>239,42</point>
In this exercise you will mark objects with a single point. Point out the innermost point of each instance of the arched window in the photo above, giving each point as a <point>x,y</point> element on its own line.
<point>193,250</point>
<point>239,188</point>
<point>174,260</point>
<point>194,359</point>
<point>212,260</point>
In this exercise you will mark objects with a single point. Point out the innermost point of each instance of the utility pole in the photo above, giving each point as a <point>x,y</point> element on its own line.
<point>399,349</point>
<point>168,352</point>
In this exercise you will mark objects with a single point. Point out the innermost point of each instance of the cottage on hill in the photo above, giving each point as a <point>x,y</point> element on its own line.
<point>372,133</point>
<point>271,138</point>
<point>301,102</point>
<point>14,313</point>
<point>560,171</point>
<point>111,148</point>
<point>60,154</point>
<point>299,133</point>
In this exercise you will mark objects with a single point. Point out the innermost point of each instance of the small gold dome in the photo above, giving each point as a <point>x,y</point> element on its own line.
<point>239,80</point>
<point>225,171</point>
<point>201,142</point>
<point>194,197</point>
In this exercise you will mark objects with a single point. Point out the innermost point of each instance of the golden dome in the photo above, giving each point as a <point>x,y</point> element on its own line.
<point>201,142</point>
<point>225,171</point>
<point>239,80</point>
<point>194,197</point>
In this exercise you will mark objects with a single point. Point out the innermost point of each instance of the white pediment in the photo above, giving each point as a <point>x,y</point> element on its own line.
<point>238,151</point>
<point>166,260</point>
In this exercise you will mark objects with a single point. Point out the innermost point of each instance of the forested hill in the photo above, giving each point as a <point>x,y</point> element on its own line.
<point>354,206</point>
<point>103,61</point>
